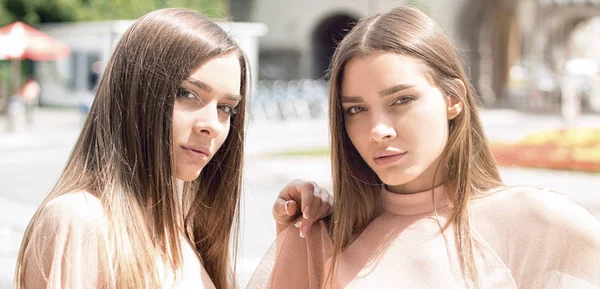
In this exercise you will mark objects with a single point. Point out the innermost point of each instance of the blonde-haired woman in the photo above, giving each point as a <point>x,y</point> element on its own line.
<point>150,195</point>
<point>419,200</point>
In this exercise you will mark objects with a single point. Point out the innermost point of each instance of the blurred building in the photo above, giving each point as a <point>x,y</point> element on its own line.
<point>302,34</point>
<point>71,82</point>
<point>516,49</point>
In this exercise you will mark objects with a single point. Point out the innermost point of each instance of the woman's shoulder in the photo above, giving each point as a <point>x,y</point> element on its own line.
<point>73,209</point>
<point>68,219</point>
<point>67,243</point>
<point>532,204</point>
<point>528,196</point>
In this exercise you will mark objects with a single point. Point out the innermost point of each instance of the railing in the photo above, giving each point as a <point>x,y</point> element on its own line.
<point>288,100</point>
<point>280,100</point>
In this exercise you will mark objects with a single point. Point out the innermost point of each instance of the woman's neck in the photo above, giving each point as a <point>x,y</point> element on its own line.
<point>415,186</point>
<point>432,177</point>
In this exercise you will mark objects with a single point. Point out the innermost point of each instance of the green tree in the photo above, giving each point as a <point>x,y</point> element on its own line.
<point>43,11</point>
<point>38,11</point>
<point>126,9</point>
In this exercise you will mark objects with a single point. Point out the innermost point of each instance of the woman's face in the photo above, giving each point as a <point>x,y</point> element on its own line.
<point>397,118</point>
<point>203,109</point>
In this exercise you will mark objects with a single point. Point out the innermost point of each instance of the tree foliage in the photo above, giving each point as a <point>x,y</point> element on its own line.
<point>45,11</point>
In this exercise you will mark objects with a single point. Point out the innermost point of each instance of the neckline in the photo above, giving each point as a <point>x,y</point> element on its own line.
<point>416,203</point>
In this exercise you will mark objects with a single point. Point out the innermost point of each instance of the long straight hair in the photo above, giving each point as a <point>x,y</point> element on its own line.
<point>124,155</point>
<point>468,163</point>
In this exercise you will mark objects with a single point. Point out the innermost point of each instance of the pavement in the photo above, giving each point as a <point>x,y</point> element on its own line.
<point>31,161</point>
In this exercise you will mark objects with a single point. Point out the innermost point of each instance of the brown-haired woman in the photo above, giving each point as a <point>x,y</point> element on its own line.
<point>419,200</point>
<point>150,195</point>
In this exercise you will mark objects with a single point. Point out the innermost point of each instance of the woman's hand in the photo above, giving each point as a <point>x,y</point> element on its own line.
<point>301,198</point>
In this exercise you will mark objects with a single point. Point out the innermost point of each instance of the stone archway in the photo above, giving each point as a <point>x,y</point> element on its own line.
<point>327,34</point>
<point>495,41</point>
<point>526,34</point>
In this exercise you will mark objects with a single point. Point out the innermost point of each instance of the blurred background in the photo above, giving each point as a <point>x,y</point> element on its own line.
<point>533,62</point>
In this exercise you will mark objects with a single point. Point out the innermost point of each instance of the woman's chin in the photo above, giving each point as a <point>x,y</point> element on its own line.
<point>188,176</point>
<point>396,178</point>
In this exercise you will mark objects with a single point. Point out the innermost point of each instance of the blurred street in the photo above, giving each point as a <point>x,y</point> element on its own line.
<point>30,163</point>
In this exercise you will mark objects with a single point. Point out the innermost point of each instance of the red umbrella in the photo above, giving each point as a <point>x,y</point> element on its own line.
<point>21,41</point>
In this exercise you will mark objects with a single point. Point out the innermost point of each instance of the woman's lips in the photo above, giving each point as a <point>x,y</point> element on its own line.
<point>389,158</point>
<point>198,154</point>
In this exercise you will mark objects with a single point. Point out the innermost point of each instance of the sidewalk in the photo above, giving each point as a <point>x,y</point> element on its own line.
<point>511,125</point>
<point>52,127</point>
<point>13,220</point>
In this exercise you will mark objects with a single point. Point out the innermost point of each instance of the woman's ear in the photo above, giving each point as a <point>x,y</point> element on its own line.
<point>454,105</point>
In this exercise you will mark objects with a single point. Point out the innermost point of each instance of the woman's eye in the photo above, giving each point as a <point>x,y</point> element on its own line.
<point>228,109</point>
<point>403,100</point>
<point>186,94</point>
<point>355,110</point>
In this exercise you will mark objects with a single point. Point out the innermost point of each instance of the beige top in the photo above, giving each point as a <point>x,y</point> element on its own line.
<point>525,238</point>
<point>68,249</point>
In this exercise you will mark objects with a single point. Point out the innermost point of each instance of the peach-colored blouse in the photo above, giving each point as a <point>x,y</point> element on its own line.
<point>68,249</point>
<point>525,238</point>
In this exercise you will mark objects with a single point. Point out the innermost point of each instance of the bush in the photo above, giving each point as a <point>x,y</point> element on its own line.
<point>567,149</point>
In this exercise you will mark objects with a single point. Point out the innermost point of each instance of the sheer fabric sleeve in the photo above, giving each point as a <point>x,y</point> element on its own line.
<point>545,239</point>
<point>67,246</point>
<point>294,262</point>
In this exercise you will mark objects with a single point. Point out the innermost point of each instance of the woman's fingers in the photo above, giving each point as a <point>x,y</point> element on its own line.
<point>302,198</point>
<point>320,207</point>
<point>284,210</point>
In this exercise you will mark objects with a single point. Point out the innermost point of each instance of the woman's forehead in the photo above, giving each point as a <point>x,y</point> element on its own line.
<point>380,70</point>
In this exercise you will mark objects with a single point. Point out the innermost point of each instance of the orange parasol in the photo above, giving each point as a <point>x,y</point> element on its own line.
<point>21,41</point>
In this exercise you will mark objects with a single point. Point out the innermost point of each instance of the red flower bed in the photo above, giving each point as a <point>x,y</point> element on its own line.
<point>567,149</point>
